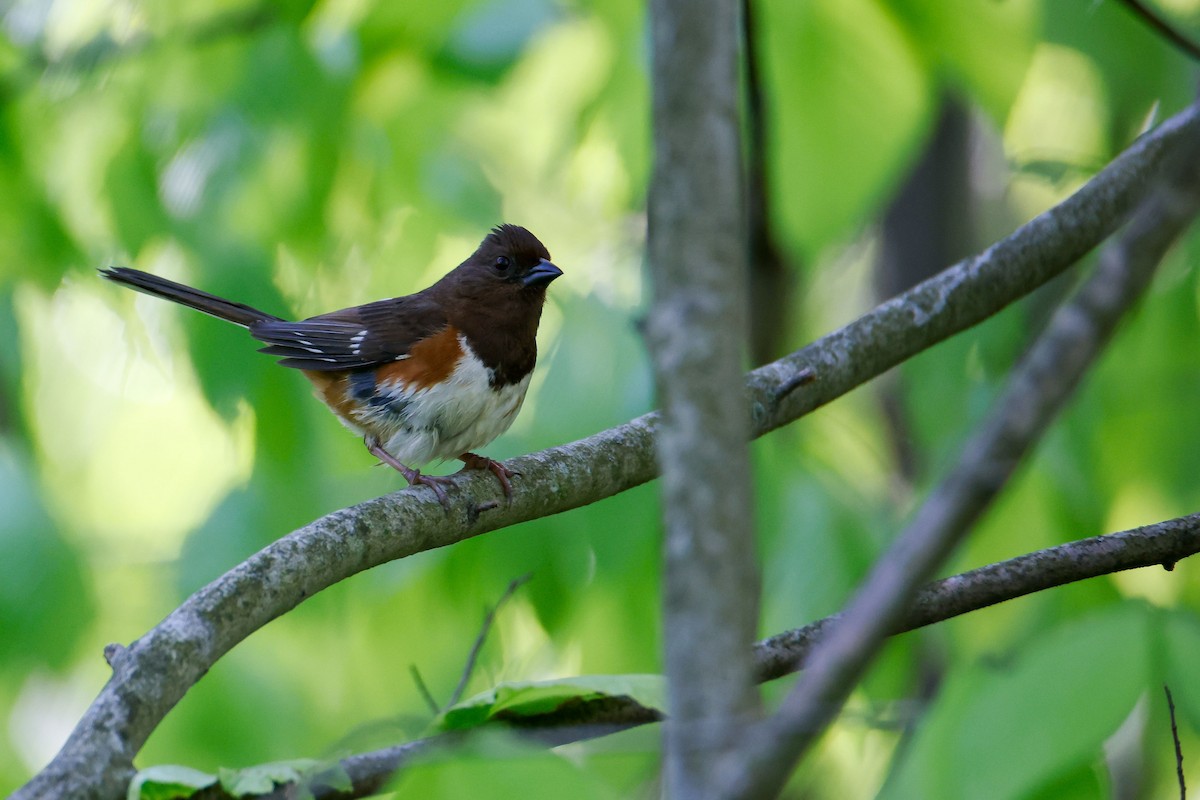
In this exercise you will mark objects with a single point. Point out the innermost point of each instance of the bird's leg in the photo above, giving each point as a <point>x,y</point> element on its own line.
<point>502,473</point>
<point>413,476</point>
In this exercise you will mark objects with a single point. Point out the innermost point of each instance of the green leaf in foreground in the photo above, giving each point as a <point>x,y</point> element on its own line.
<point>168,782</point>
<point>1007,729</point>
<point>302,772</point>
<point>171,782</point>
<point>537,698</point>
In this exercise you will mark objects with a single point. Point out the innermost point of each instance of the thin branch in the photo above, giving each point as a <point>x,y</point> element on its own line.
<point>423,690</point>
<point>1164,28</point>
<point>488,618</point>
<point>1040,387</point>
<point>1178,746</point>
<point>1157,545</point>
<point>153,673</point>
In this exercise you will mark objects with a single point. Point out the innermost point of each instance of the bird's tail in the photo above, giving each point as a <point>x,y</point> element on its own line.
<point>237,313</point>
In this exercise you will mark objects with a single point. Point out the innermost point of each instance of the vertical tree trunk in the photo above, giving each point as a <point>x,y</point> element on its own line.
<point>697,335</point>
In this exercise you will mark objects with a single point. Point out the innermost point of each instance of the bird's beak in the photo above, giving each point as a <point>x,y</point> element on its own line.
<point>541,274</point>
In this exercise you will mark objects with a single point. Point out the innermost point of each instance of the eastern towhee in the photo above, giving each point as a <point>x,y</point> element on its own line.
<point>421,378</point>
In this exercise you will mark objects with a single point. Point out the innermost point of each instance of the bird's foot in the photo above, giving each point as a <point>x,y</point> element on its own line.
<point>413,476</point>
<point>502,473</point>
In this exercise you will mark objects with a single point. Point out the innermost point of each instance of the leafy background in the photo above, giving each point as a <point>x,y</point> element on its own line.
<point>306,156</point>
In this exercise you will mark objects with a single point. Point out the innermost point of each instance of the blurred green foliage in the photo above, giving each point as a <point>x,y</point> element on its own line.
<point>306,156</point>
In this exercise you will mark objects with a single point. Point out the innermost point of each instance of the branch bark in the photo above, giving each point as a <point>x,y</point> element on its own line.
<point>696,332</point>
<point>1038,390</point>
<point>153,673</point>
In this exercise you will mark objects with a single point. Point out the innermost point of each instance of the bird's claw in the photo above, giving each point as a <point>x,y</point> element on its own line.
<point>435,482</point>
<point>502,473</point>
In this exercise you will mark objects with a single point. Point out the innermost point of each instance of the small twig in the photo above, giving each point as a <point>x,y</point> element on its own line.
<point>1164,28</point>
<point>113,651</point>
<point>488,618</point>
<point>1178,748</point>
<point>423,689</point>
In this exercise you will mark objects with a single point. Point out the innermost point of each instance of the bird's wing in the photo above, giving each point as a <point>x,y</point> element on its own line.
<point>365,336</point>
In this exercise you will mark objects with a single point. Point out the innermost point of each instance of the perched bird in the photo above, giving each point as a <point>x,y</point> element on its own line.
<point>421,378</point>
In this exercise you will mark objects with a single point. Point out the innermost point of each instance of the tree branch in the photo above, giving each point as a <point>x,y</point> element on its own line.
<point>152,674</point>
<point>1166,30</point>
<point>1038,390</point>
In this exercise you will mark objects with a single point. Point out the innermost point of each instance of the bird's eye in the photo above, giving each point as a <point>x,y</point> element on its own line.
<point>502,263</point>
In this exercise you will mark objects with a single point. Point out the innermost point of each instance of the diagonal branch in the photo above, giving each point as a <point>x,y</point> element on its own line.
<point>1163,28</point>
<point>1038,390</point>
<point>153,673</point>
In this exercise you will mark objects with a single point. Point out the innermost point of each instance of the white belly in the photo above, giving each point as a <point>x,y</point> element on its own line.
<point>456,416</point>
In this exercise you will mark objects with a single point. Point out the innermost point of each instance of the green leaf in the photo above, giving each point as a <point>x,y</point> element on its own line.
<point>981,45</point>
<point>1181,646</point>
<point>488,37</point>
<point>335,777</point>
<point>45,598</point>
<point>998,733</point>
<point>303,772</point>
<point>131,183</point>
<point>168,782</point>
<point>1139,69</point>
<point>534,698</point>
<point>850,99</point>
